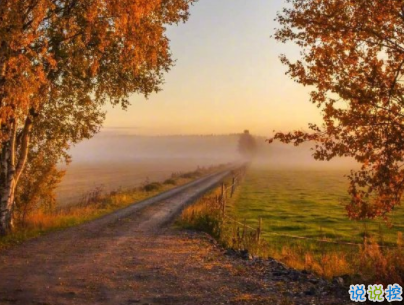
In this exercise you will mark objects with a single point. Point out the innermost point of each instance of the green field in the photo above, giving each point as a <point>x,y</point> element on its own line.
<point>306,203</point>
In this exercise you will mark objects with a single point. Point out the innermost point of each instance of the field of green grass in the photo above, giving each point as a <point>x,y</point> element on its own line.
<point>306,203</point>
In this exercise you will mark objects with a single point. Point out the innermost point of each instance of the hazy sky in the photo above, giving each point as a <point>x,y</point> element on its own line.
<point>227,77</point>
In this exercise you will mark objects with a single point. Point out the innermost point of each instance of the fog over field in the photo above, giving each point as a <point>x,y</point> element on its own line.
<point>112,159</point>
<point>114,147</point>
<point>111,147</point>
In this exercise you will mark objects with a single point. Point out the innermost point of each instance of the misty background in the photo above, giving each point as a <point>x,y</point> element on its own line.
<point>116,147</point>
<point>116,159</point>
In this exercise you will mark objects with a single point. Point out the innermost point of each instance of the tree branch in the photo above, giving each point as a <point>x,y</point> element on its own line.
<point>25,141</point>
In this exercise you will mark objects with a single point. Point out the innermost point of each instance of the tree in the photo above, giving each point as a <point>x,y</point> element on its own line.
<point>353,56</point>
<point>247,146</point>
<point>52,135</point>
<point>61,61</point>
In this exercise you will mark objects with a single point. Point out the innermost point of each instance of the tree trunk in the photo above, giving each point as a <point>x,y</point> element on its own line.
<point>11,170</point>
<point>7,207</point>
<point>7,182</point>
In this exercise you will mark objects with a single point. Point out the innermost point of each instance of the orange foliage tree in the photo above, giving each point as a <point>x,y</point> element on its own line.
<point>353,57</point>
<point>61,61</point>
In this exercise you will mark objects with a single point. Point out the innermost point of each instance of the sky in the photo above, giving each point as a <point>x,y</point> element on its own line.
<point>227,77</point>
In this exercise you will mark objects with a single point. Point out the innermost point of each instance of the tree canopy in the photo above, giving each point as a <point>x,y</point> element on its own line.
<point>61,61</point>
<point>352,54</point>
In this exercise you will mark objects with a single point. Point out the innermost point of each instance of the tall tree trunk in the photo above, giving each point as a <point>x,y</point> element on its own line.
<point>11,170</point>
<point>7,181</point>
<point>7,206</point>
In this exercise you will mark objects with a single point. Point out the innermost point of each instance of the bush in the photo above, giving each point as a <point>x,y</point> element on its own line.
<point>191,175</point>
<point>151,187</point>
<point>170,182</point>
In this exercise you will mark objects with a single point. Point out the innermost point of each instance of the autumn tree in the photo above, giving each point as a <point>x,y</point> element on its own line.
<point>247,145</point>
<point>61,61</point>
<point>353,58</point>
<point>52,135</point>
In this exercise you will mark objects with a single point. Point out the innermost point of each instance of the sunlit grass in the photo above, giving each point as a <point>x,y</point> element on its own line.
<point>309,204</point>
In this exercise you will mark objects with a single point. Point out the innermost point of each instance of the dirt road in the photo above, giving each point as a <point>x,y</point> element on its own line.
<point>126,257</point>
<point>130,257</point>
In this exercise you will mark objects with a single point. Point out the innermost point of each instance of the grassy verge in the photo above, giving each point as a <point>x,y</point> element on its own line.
<point>365,262</point>
<point>210,214</point>
<point>93,205</point>
<point>207,215</point>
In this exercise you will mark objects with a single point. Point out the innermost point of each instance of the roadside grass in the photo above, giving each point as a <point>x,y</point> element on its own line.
<point>204,215</point>
<point>93,205</point>
<point>277,198</point>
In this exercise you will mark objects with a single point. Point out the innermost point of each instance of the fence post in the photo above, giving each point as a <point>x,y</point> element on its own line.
<point>222,197</point>
<point>233,185</point>
<point>243,237</point>
<point>259,230</point>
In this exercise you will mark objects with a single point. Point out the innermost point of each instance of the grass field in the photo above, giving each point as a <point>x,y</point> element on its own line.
<point>306,203</point>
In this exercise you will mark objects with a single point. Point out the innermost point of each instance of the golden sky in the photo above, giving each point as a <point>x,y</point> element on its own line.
<point>227,78</point>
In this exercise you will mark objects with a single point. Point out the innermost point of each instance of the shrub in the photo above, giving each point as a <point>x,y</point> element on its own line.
<point>170,182</point>
<point>191,175</point>
<point>151,187</point>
